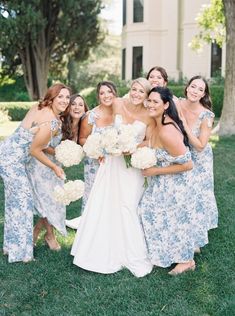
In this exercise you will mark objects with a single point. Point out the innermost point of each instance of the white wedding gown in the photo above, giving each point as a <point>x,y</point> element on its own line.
<point>109,236</point>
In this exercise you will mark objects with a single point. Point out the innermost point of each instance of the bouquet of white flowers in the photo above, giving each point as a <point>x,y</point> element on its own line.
<point>143,158</point>
<point>109,141</point>
<point>69,192</point>
<point>93,146</point>
<point>127,138</point>
<point>69,153</point>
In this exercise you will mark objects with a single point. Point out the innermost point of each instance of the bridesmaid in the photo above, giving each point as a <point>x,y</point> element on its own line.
<point>43,180</point>
<point>95,121</point>
<point>71,123</point>
<point>72,118</point>
<point>30,138</point>
<point>167,206</point>
<point>198,119</point>
<point>158,77</point>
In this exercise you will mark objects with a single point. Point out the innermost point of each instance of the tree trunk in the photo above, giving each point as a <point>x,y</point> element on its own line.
<point>35,62</point>
<point>227,120</point>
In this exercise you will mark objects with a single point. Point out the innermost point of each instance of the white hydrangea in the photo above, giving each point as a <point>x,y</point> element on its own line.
<point>60,195</point>
<point>69,153</point>
<point>109,141</point>
<point>93,146</point>
<point>143,158</point>
<point>69,192</point>
<point>127,138</point>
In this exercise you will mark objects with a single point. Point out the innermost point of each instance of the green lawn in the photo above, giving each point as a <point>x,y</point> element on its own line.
<point>52,285</point>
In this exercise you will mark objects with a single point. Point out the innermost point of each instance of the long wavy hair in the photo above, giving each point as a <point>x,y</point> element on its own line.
<point>171,111</point>
<point>206,99</point>
<point>67,120</point>
<point>51,94</point>
<point>161,70</point>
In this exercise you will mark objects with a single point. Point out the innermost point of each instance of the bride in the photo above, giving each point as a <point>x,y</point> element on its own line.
<point>109,235</point>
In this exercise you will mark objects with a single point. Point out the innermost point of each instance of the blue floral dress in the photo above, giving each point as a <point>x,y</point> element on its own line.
<point>167,211</point>
<point>43,181</point>
<point>18,222</point>
<point>206,206</point>
<point>91,165</point>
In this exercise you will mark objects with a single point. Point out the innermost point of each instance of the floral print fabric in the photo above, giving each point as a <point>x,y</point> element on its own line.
<point>43,181</point>
<point>18,221</point>
<point>91,165</point>
<point>166,212</point>
<point>206,206</point>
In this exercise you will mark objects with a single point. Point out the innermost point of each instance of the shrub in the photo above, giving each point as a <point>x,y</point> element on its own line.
<point>16,110</point>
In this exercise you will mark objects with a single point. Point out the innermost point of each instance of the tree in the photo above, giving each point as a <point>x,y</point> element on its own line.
<point>216,22</point>
<point>227,120</point>
<point>37,34</point>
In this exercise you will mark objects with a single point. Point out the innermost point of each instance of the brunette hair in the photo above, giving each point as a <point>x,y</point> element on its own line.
<point>171,111</point>
<point>108,84</point>
<point>67,120</point>
<point>161,70</point>
<point>206,99</point>
<point>51,94</point>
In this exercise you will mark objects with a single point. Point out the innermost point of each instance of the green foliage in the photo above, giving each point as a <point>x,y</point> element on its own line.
<point>211,21</point>
<point>13,89</point>
<point>39,34</point>
<point>16,110</point>
<point>52,285</point>
<point>104,63</point>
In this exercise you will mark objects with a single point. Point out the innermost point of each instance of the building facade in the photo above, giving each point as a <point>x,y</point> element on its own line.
<point>158,33</point>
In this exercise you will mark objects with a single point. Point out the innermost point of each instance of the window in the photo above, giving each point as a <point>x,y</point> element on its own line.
<point>216,60</point>
<point>123,64</point>
<point>137,61</point>
<point>123,12</point>
<point>138,11</point>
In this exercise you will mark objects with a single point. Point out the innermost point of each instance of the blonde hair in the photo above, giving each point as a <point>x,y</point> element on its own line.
<point>144,83</point>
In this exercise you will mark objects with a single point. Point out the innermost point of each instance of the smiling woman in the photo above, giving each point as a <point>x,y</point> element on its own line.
<point>40,125</point>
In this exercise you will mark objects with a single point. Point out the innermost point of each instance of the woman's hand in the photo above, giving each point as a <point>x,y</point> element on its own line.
<point>152,171</point>
<point>59,172</point>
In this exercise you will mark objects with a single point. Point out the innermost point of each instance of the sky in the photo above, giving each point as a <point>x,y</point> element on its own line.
<point>113,13</point>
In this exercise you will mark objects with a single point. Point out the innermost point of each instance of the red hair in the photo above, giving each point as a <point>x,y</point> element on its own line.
<point>51,94</point>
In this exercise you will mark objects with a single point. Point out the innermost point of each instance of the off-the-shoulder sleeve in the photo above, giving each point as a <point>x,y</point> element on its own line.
<point>209,117</point>
<point>180,159</point>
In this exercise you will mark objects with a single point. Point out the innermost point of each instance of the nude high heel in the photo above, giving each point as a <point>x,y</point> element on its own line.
<point>178,270</point>
<point>52,244</point>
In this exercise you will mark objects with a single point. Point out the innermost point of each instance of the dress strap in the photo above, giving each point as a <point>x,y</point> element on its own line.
<point>92,117</point>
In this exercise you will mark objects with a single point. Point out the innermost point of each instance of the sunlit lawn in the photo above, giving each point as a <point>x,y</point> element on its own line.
<point>52,285</point>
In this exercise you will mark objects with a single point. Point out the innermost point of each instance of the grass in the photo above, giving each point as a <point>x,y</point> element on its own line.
<point>52,285</point>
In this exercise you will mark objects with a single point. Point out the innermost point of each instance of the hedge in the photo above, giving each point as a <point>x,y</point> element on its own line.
<point>17,110</point>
